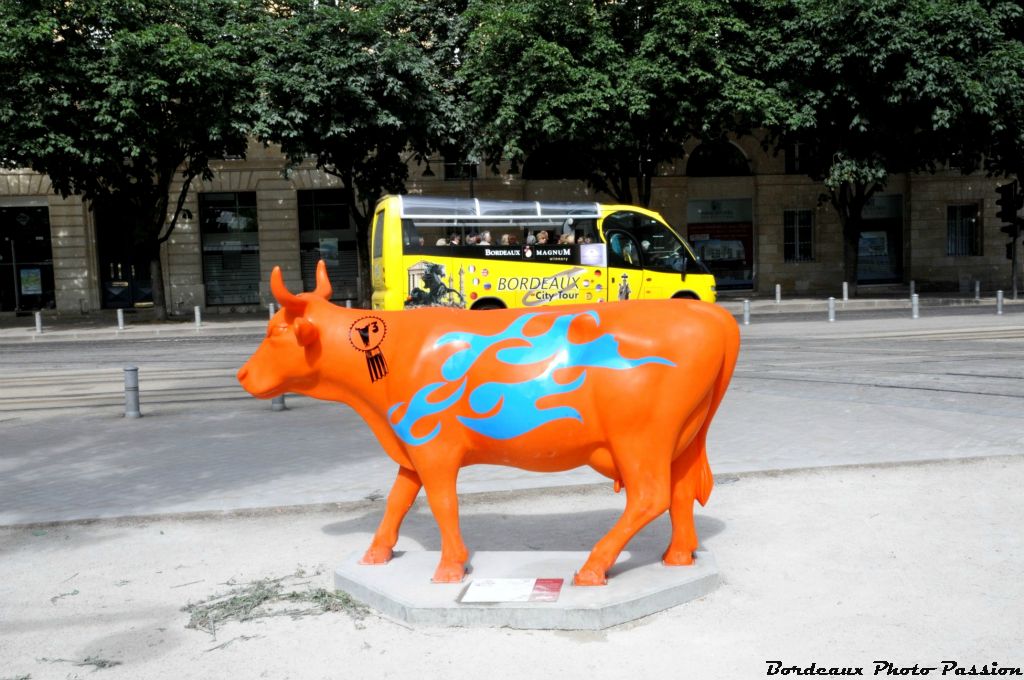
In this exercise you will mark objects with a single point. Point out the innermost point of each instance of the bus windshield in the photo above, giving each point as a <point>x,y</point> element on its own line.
<point>662,249</point>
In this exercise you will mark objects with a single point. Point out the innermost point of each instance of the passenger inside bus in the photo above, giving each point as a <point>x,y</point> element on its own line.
<point>622,249</point>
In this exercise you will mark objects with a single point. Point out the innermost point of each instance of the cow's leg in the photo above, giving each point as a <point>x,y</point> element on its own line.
<point>687,470</point>
<point>691,480</point>
<point>440,485</point>
<point>645,473</point>
<point>401,497</point>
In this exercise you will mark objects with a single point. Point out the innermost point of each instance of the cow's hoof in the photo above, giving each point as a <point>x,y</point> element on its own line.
<point>377,555</point>
<point>588,577</point>
<point>449,573</point>
<point>677,558</point>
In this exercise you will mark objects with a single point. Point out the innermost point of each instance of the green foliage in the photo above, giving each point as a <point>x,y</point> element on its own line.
<point>623,85</point>
<point>110,98</point>
<point>889,86</point>
<point>359,87</point>
<point>882,87</point>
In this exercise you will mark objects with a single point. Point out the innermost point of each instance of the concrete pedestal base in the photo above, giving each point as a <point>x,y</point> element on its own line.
<point>638,585</point>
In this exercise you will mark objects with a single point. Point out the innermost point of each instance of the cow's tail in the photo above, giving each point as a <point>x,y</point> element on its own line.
<point>705,480</point>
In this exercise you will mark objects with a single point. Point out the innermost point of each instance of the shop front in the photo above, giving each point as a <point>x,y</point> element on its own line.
<point>26,257</point>
<point>722,234</point>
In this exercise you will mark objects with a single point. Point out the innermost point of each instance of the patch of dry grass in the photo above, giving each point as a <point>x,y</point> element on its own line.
<point>271,597</point>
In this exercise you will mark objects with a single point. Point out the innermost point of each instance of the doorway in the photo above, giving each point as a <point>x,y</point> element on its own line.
<point>125,281</point>
<point>880,246</point>
<point>26,259</point>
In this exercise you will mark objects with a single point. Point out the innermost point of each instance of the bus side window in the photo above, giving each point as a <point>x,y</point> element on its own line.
<point>586,231</point>
<point>378,236</point>
<point>410,237</point>
<point>622,250</point>
<point>506,236</point>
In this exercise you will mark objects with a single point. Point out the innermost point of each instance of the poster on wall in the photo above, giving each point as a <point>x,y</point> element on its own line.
<point>329,251</point>
<point>31,281</point>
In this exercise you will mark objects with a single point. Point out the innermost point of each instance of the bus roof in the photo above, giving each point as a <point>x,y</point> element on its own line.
<point>473,208</point>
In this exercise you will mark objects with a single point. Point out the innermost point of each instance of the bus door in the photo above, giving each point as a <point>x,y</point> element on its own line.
<point>625,267</point>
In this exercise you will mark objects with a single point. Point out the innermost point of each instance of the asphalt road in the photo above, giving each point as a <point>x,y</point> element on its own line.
<point>48,379</point>
<point>806,394</point>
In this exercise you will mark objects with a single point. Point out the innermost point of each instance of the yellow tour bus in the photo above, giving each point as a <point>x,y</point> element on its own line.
<point>485,254</point>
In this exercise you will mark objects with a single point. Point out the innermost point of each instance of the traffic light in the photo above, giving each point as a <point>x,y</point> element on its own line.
<point>1011,199</point>
<point>1011,230</point>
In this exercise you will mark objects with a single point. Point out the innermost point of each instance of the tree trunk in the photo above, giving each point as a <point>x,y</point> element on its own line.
<point>851,252</point>
<point>361,216</point>
<point>849,201</point>
<point>156,273</point>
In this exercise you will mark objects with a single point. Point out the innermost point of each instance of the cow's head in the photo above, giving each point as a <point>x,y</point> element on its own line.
<point>288,359</point>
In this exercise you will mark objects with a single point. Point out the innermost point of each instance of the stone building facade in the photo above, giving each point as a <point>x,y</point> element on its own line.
<point>757,224</point>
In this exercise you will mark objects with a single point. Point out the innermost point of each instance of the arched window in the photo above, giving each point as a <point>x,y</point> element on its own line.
<point>719,158</point>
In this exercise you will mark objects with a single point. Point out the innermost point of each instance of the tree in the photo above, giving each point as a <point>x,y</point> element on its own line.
<point>876,88</point>
<point>996,102</point>
<point>113,98</point>
<point>623,86</point>
<point>362,88</point>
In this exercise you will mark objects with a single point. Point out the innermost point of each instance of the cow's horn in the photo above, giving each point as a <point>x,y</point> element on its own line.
<point>293,303</point>
<point>323,283</point>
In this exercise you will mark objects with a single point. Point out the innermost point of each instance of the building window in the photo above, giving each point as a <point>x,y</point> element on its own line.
<point>717,158</point>
<point>231,248</point>
<point>798,235</point>
<point>326,233</point>
<point>963,230</point>
<point>461,169</point>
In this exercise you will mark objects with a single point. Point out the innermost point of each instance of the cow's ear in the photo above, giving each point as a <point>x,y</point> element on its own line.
<point>305,332</point>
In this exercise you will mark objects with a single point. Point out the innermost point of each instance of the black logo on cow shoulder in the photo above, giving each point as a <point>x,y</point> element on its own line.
<point>366,335</point>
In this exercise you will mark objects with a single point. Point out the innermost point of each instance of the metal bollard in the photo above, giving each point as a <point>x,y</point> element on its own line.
<point>131,392</point>
<point>39,322</point>
<point>977,290</point>
<point>915,310</point>
<point>199,316</point>
<point>348,303</point>
<point>831,309</point>
<point>277,403</point>
<point>273,309</point>
<point>778,293</point>
<point>120,319</point>
<point>912,287</point>
<point>846,291</point>
<point>999,302</point>
<point>746,312</point>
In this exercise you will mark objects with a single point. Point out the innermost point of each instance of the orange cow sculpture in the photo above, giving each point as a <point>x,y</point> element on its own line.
<point>628,388</point>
